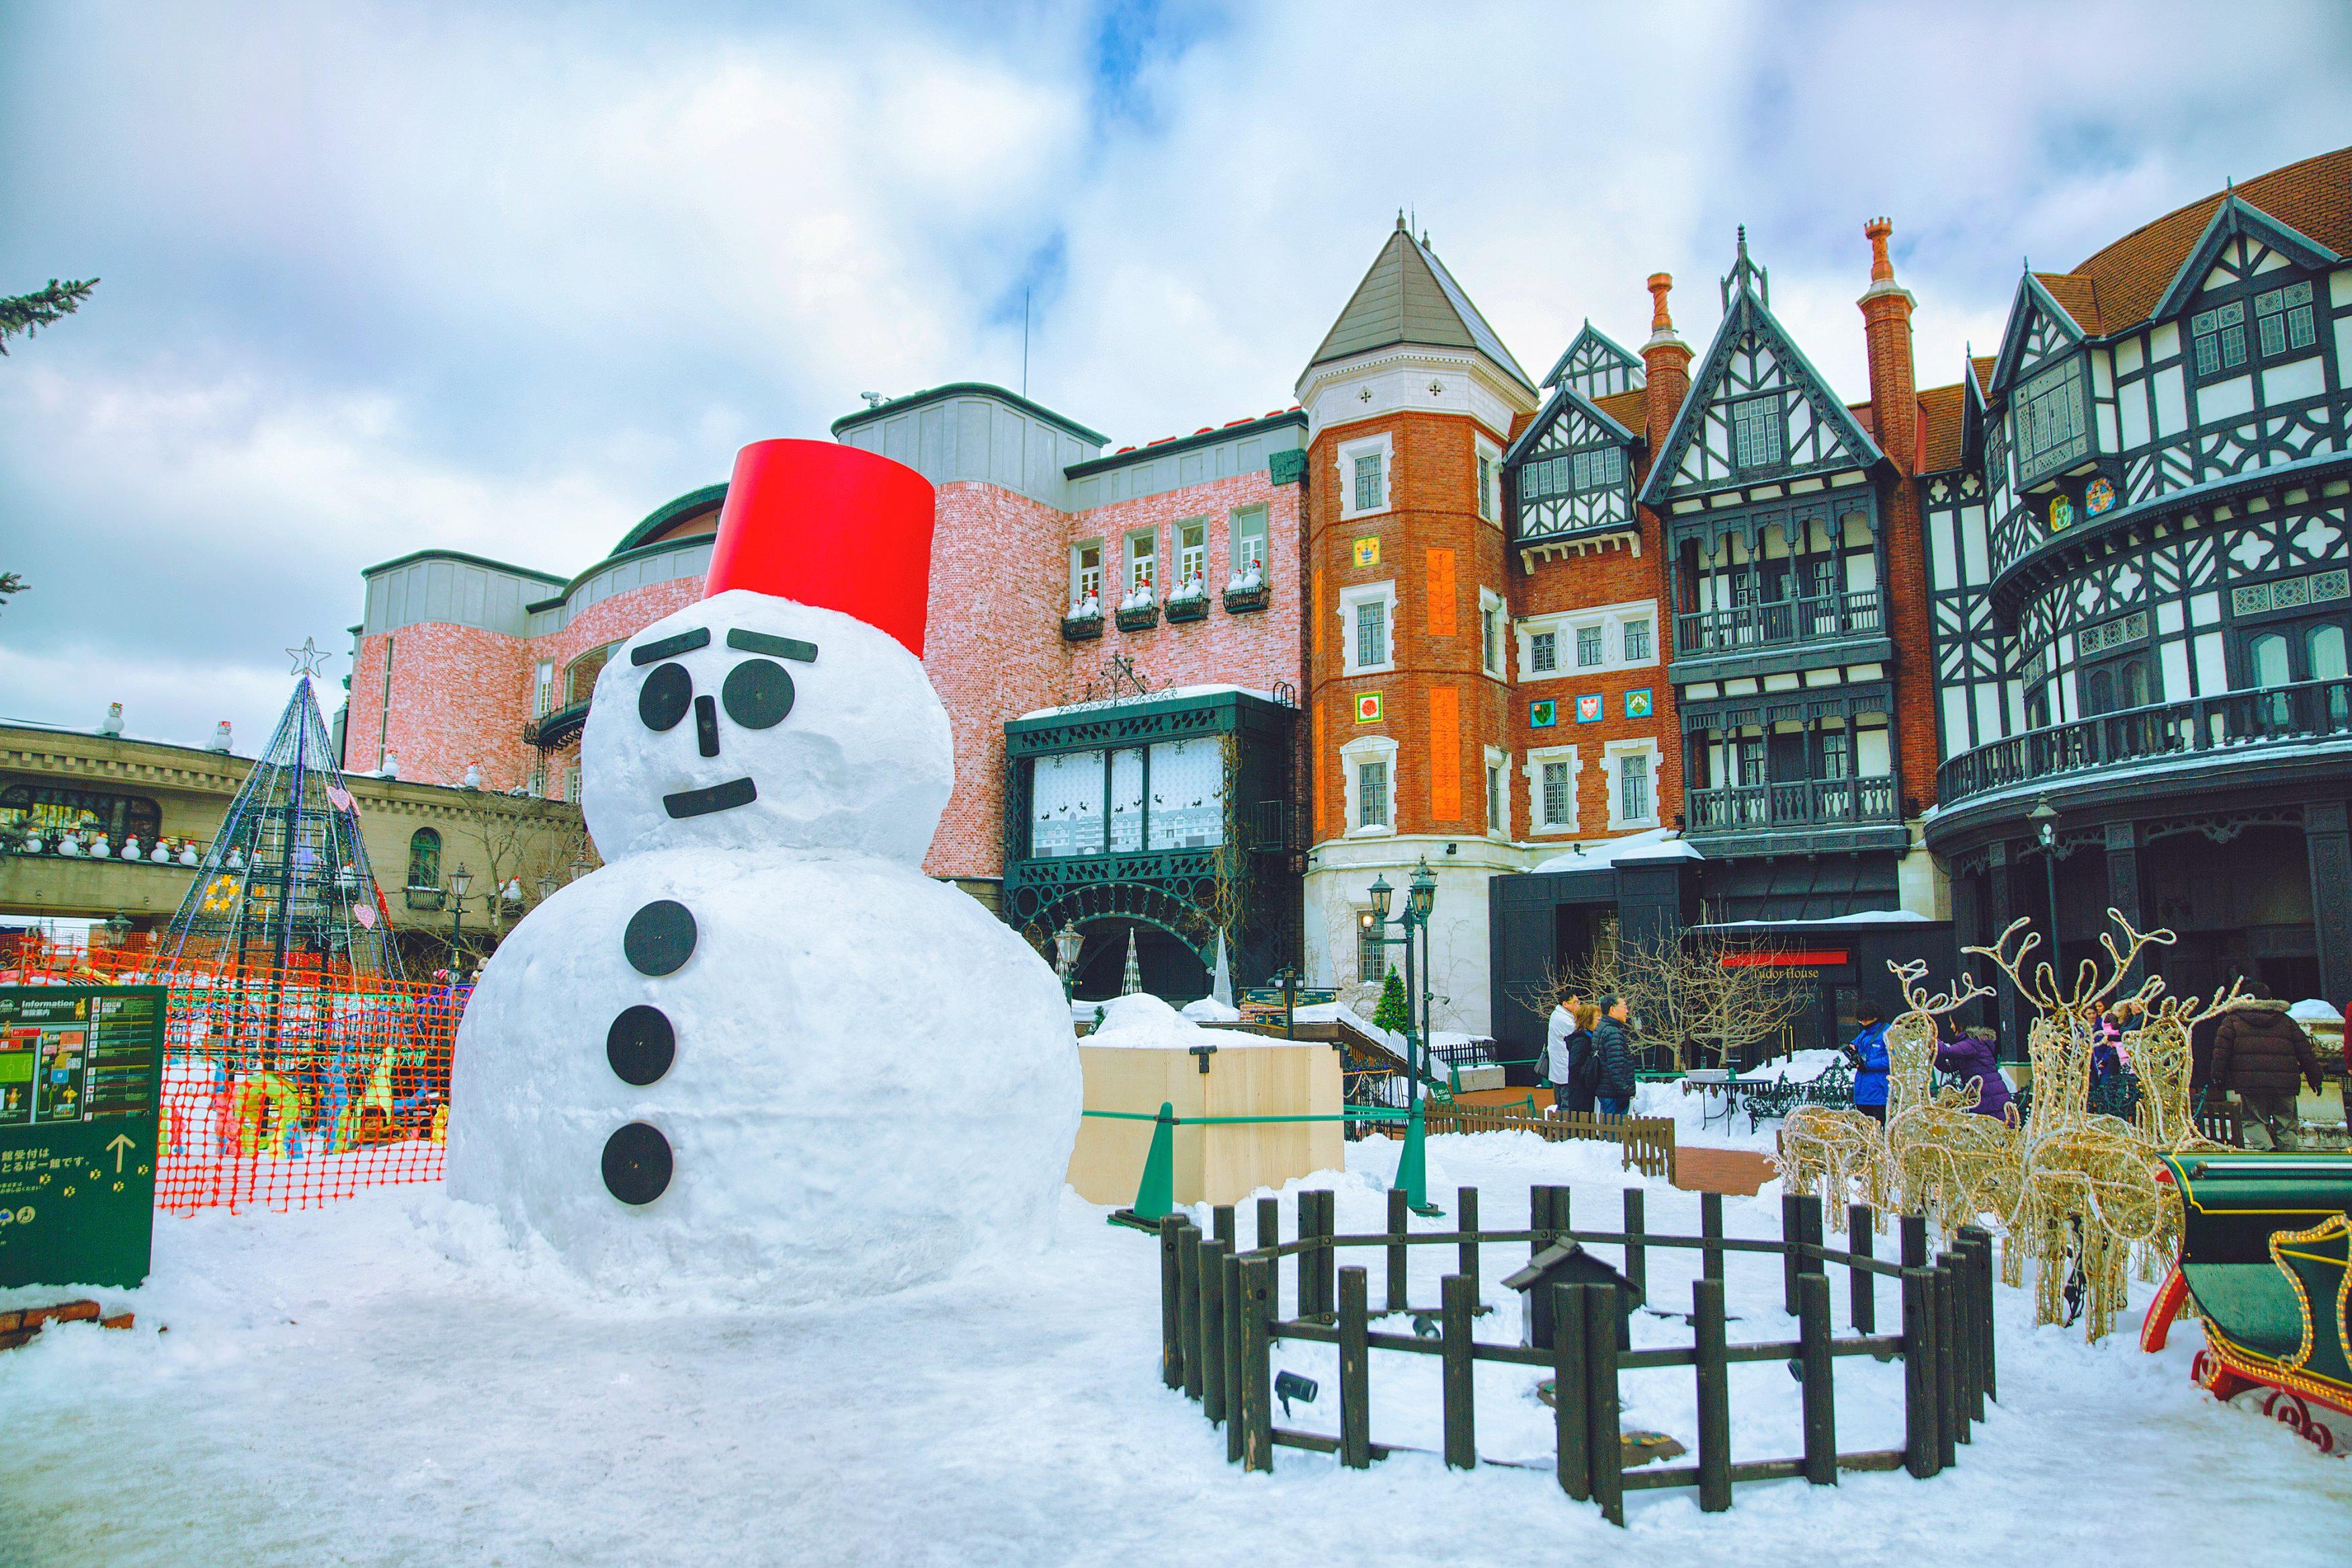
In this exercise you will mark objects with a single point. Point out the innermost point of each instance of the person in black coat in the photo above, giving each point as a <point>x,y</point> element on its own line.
<point>1612,1054</point>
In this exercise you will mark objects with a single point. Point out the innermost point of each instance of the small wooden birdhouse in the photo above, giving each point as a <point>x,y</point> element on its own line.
<point>1567,1263</point>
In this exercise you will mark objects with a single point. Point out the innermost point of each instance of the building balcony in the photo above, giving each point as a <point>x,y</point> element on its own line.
<point>426,897</point>
<point>1831,617</point>
<point>1187,607</point>
<point>2211,731</point>
<point>1141,618</point>
<point>1082,628</point>
<point>551,730</point>
<point>1803,815</point>
<point>1241,601</point>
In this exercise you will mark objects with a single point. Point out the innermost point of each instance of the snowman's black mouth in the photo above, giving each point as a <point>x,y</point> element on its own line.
<point>717,798</point>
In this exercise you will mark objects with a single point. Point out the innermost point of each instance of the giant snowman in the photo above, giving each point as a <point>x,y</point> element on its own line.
<point>759,1055</point>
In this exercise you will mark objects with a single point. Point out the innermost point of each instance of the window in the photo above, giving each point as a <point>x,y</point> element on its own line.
<point>1756,432</point>
<point>1633,787</point>
<point>1552,772</point>
<point>1599,468</point>
<point>2283,653</point>
<point>1371,634</point>
<point>1637,641</point>
<point>1368,481</point>
<point>1490,634</point>
<point>1486,487</point>
<point>1065,805</point>
<point>50,808</point>
<point>1364,473</point>
<point>1142,562</point>
<point>1191,552</point>
<point>1372,955</point>
<point>1588,647</point>
<point>580,678</point>
<point>1543,652</point>
<point>1837,754</point>
<point>1558,795</point>
<point>571,785</point>
<point>542,688</point>
<point>1372,794</point>
<point>1751,760</point>
<point>1495,798</point>
<point>1249,543</point>
<point>2116,685</point>
<point>2324,646</point>
<point>2266,658</point>
<point>425,858</point>
<point>1086,573</point>
<point>2283,318</point>
<point>2219,336</point>
<point>2051,429</point>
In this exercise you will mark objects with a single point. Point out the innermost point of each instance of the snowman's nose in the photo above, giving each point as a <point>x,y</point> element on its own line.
<point>705,726</point>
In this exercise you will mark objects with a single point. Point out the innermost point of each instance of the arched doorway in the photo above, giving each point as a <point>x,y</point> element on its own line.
<point>1169,968</point>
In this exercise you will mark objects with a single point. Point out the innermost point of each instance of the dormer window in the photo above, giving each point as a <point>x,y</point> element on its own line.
<point>2283,318</point>
<point>2219,336</point>
<point>1756,432</point>
<point>2051,430</point>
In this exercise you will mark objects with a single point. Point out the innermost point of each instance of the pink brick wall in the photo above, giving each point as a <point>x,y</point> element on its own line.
<point>459,695</point>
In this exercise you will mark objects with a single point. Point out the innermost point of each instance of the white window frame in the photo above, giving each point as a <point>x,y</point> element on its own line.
<point>1198,567</point>
<point>1244,522</point>
<point>1078,580</point>
<point>1490,604</point>
<point>1498,772</point>
<point>1488,459</point>
<point>1364,446</point>
<point>1365,748</point>
<point>1383,594</point>
<point>1614,755</point>
<point>1565,624</point>
<point>1537,826</point>
<point>542,694</point>
<point>1128,562</point>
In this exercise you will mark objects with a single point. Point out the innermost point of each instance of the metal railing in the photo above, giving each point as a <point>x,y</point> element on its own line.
<point>1803,803</point>
<point>1771,621</point>
<point>2310,710</point>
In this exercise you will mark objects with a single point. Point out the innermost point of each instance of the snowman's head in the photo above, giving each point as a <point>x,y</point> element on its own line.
<point>747,721</point>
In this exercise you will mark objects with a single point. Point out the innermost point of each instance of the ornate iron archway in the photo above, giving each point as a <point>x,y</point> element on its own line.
<point>1088,901</point>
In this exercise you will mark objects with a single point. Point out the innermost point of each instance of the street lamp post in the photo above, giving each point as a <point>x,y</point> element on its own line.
<point>1066,942</point>
<point>2044,819</point>
<point>460,881</point>
<point>1420,898</point>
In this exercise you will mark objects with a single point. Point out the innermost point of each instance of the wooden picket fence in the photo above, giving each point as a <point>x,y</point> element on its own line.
<point>1648,1140</point>
<point>1221,1317</point>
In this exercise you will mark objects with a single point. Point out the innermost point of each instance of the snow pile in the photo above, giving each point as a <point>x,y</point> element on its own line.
<point>2311,1009</point>
<point>1144,1022</point>
<point>1651,844</point>
<point>1208,1010</point>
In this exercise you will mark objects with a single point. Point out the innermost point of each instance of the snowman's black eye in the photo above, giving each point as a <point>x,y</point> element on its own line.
<point>662,701</point>
<point>758,693</point>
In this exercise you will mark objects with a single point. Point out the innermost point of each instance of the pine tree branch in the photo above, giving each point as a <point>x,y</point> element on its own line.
<point>28,313</point>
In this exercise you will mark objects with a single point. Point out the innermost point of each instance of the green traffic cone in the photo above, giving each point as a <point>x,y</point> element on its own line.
<point>1412,1169</point>
<point>1155,1195</point>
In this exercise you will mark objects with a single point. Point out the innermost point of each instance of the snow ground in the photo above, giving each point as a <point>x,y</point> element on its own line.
<point>383,1382</point>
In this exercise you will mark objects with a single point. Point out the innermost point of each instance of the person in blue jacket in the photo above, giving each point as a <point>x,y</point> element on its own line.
<point>1868,1053</point>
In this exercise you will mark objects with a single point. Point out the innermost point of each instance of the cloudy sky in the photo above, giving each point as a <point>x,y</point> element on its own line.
<point>505,277</point>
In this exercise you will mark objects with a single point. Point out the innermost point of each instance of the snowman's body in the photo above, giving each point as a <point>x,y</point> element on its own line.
<point>759,1053</point>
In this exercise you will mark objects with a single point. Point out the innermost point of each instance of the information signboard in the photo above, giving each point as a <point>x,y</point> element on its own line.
<point>82,1079</point>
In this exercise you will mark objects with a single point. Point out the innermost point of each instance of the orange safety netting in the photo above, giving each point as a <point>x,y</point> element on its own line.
<point>282,1087</point>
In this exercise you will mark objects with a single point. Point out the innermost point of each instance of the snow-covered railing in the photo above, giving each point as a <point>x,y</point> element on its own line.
<point>1220,1316</point>
<point>2297,714</point>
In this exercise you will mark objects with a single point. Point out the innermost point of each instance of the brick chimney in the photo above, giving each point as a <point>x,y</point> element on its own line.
<point>1887,330</point>
<point>1666,361</point>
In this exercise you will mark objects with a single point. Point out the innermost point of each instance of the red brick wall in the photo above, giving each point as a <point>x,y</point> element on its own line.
<point>459,695</point>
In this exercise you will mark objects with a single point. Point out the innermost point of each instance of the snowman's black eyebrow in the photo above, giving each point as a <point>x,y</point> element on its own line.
<point>781,647</point>
<point>684,642</point>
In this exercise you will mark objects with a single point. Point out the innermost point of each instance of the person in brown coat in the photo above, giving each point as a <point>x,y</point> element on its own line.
<point>2262,1053</point>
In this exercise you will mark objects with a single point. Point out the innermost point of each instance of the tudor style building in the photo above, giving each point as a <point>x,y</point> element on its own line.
<point>2138,559</point>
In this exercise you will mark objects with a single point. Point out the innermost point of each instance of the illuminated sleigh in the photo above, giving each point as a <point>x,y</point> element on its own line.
<point>2263,1254</point>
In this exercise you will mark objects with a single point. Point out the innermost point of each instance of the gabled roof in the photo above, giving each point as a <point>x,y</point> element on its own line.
<point>1747,311</point>
<point>1564,396</point>
<point>2235,216</point>
<point>1944,414</point>
<point>1602,347</point>
<point>1408,296</point>
<point>2077,297</point>
<point>2035,297</point>
<point>2313,197</point>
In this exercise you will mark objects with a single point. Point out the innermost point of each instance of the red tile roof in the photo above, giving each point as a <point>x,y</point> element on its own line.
<point>2124,281</point>
<point>1630,409</point>
<point>1943,419</point>
<point>2078,296</point>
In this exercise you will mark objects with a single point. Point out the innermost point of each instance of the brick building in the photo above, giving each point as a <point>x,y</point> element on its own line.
<point>1650,645</point>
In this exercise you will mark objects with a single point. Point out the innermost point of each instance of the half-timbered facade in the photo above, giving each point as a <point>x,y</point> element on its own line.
<point>2139,549</point>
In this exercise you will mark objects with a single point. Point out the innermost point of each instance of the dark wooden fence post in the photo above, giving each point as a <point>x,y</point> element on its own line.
<point>1171,1290</point>
<point>1571,1389</point>
<point>1539,1219</point>
<point>1309,1214</point>
<point>1862,1285</point>
<point>1327,1255</point>
<point>1213,1253</point>
<point>1562,1221</point>
<point>1398,1267</point>
<point>1637,1259</point>
<point>1791,1229</point>
<point>1457,1299</point>
<point>1188,1306</point>
<point>1987,1384</point>
<point>1915,1241</point>
<point>1810,1234</point>
<point>1355,1373</point>
<point>1963,1264</point>
<point>1232,1269</point>
<point>1605,1442</point>
<point>1465,1204</point>
<point>1708,1351</point>
<point>1920,1443</point>
<point>1221,1223</point>
<point>1258,1286</point>
<point>1950,1426</point>
<point>1269,1222</point>
<point>1710,1229</point>
<point>1820,1397</point>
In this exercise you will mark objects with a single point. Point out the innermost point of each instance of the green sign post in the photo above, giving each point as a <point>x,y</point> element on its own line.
<point>82,1079</point>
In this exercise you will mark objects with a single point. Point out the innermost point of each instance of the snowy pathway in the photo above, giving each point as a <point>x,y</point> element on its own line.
<point>383,1382</point>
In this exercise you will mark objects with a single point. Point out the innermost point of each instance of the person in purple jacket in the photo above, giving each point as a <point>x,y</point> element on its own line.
<point>1972,1057</point>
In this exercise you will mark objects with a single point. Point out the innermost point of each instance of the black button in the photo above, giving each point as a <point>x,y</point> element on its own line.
<point>660,937</point>
<point>640,1045</point>
<point>637,1163</point>
<point>662,700</point>
<point>757,693</point>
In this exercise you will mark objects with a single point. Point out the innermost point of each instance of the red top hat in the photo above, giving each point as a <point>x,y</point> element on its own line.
<point>831,525</point>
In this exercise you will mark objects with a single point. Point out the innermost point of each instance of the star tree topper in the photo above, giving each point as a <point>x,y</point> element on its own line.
<point>309,661</point>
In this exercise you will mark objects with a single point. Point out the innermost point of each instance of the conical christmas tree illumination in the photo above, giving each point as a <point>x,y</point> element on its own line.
<point>286,883</point>
<point>1131,981</point>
